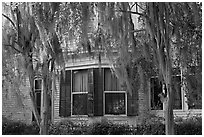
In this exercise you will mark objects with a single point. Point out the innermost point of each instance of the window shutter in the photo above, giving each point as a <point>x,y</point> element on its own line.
<point>90,103</point>
<point>65,95</point>
<point>98,91</point>
<point>132,104</point>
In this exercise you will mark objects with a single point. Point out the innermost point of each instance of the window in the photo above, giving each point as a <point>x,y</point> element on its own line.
<point>79,93</point>
<point>176,81</point>
<point>194,92</point>
<point>38,90</point>
<point>115,103</point>
<point>195,102</point>
<point>115,96</point>
<point>156,89</point>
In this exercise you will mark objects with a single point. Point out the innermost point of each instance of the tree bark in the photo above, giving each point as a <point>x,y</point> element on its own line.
<point>169,117</point>
<point>44,109</point>
<point>33,102</point>
<point>30,73</point>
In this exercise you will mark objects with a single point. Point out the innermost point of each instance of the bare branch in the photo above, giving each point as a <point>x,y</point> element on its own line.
<point>10,21</point>
<point>132,6</point>
<point>13,47</point>
<point>139,6</point>
<point>135,31</point>
<point>133,12</point>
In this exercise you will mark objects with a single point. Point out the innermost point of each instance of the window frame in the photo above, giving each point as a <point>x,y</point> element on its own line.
<point>183,98</point>
<point>150,97</point>
<point>186,99</point>
<point>104,100</point>
<point>109,92</point>
<point>76,93</point>
<point>38,91</point>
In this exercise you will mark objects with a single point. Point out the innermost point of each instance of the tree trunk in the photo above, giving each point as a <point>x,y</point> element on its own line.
<point>33,102</point>
<point>52,95</point>
<point>44,109</point>
<point>169,117</point>
<point>30,73</point>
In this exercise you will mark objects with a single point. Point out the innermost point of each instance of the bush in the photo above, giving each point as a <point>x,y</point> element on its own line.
<point>10,127</point>
<point>189,126</point>
<point>99,128</point>
<point>105,127</point>
<point>120,129</point>
<point>13,128</point>
<point>32,129</point>
<point>61,128</point>
<point>150,129</point>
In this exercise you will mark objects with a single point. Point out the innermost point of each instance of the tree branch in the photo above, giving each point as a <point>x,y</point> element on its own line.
<point>132,5</point>
<point>13,48</point>
<point>135,31</point>
<point>10,20</point>
<point>133,12</point>
<point>140,6</point>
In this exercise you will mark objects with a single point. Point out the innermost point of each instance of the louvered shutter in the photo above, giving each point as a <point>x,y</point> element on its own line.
<point>132,104</point>
<point>65,95</point>
<point>98,91</point>
<point>90,102</point>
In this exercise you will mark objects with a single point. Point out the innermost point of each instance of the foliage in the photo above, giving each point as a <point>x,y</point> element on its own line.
<point>61,128</point>
<point>167,26</point>
<point>19,40</point>
<point>108,128</point>
<point>18,128</point>
<point>100,128</point>
<point>156,128</point>
<point>67,127</point>
<point>189,126</point>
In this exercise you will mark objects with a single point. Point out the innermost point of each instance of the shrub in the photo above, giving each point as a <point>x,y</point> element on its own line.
<point>100,128</point>
<point>105,127</point>
<point>14,128</point>
<point>150,129</point>
<point>189,126</point>
<point>120,129</point>
<point>32,129</point>
<point>10,127</point>
<point>61,128</point>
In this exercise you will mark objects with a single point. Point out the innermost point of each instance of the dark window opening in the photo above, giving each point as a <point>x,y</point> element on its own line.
<point>177,92</point>
<point>115,103</point>
<point>194,93</point>
<point>79,104</point>
<point>37,90</point>
<point>156,89</point>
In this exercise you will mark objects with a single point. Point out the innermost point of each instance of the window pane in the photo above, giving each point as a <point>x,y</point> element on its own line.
<point>194,94</point>
<point>38,99</point>
<point>177,92</point>
<point>80,81</point>
<point>111,81</point>
<point>38,84</point>
<point>115,103</point>
<point>38,88</point>
<point>156,89</point>
<point>79,104</point>
<point>196,102</point>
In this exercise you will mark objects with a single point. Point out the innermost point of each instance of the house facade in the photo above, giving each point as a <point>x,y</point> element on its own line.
<point>91,92</point>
